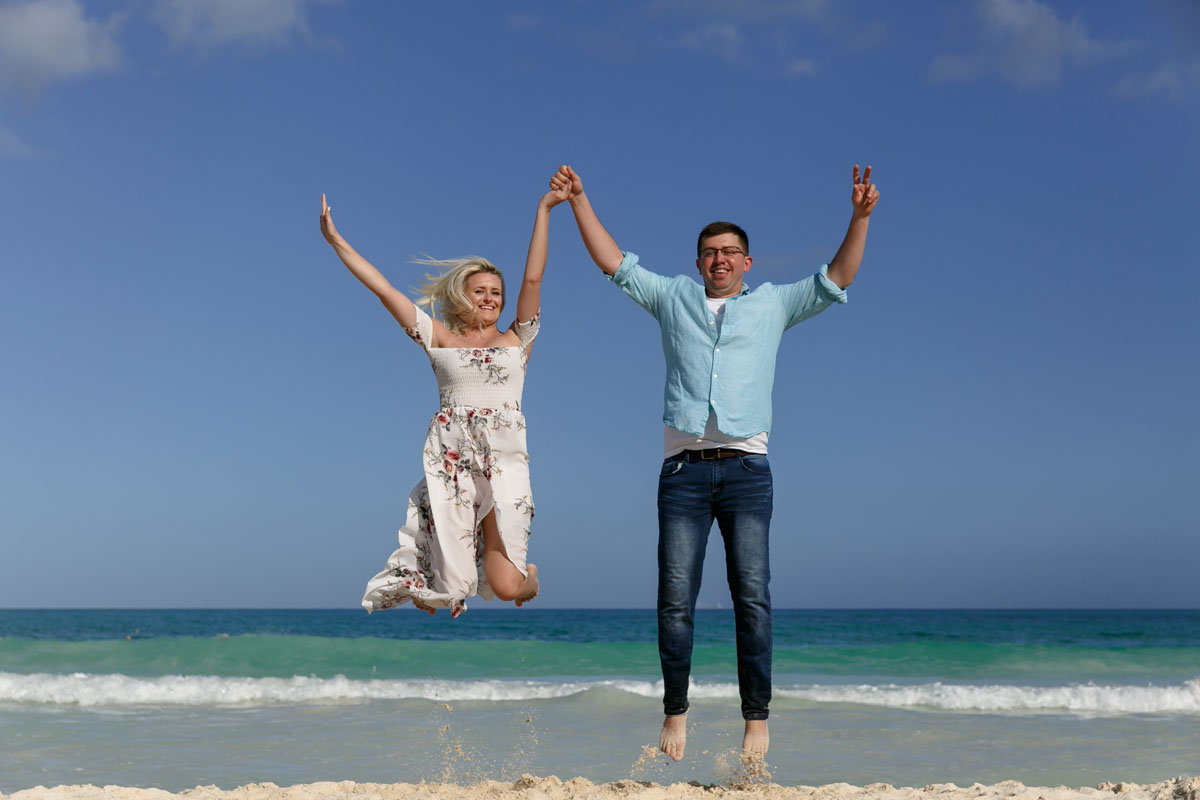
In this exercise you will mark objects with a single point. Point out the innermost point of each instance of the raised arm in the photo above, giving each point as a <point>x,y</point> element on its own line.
<point>530,298</point>
<point>600,245</point>
<point>863,197</point>
<point>392,298</point>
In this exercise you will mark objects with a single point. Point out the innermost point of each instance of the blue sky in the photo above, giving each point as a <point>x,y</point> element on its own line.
<point>202,408</point>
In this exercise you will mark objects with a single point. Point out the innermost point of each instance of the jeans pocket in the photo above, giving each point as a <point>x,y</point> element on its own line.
<point>756,463</point>
<point>670,468</point>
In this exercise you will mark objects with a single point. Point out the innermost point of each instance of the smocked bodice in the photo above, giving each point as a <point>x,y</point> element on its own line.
<point>478,377</point>
<point>481,377</point>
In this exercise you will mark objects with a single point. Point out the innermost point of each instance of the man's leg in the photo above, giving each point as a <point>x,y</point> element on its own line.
<point>743,510</point>
<point>684,521</point>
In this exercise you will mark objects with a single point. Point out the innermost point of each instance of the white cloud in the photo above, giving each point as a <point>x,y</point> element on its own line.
<point>524,22</point>
<point>721,38</point>
<point>747,9</point>
<point>1025,43</point>
<point>209,23</point>
<point>11,145</point>
<point>1171,82</point>
<point>42,41</point>
<point>802,66</point>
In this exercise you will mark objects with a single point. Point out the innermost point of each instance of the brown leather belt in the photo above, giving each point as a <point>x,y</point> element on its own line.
<point>711,454</point>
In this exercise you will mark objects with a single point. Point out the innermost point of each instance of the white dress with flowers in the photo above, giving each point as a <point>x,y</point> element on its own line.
<point>475,461</point>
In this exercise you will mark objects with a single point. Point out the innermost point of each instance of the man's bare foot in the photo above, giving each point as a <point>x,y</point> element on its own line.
<point>673,737</point>
<point>531,580</point>
<point>756,740</point>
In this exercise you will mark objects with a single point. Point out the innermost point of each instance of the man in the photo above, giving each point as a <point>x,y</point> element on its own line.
<point>720,343</point>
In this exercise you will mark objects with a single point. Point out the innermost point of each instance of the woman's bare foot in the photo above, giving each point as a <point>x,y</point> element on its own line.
<point>531,582</point>
<point>673,737</point>
<point>756,740</point>
<point>423,607</point>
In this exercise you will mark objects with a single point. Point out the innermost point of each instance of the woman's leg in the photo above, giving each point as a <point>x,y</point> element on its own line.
<point>502,575</point>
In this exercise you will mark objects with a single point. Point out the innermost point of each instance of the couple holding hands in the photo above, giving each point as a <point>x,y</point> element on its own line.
<point>468,521</point>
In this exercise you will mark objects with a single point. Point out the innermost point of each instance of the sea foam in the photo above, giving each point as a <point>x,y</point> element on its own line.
<point>89,690</point>
<point>1077,698</point>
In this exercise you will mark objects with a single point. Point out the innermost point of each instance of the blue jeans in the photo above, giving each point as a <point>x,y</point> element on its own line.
<point>737,493</point>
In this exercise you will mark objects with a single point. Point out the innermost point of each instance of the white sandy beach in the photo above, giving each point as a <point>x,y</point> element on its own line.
<point>553,788</point>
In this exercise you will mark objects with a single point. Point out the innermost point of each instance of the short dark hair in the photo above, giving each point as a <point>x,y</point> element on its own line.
<point>717,228</point>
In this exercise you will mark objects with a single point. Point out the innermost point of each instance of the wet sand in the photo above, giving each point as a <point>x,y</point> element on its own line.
<point>552,788</point>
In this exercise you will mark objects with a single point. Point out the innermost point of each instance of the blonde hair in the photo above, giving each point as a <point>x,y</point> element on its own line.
<point>445,292</point>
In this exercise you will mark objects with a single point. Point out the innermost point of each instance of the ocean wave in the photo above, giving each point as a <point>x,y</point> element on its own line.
<point>1078,698</point>
<point>89,690</point>
<point>100,691</point>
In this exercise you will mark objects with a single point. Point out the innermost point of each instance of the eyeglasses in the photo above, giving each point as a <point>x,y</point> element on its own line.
<point>708,254</point>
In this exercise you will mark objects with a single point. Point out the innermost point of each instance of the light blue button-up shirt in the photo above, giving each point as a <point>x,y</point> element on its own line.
<point>734,372</point>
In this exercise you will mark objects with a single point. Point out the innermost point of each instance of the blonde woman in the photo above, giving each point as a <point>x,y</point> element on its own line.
<point>467,527</point>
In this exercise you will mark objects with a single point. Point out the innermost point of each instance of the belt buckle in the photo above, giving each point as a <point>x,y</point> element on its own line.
<point>711,454</point>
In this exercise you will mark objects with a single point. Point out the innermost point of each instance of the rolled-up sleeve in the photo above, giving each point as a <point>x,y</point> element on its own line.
<point>645,287</point>
<point>810,297</point>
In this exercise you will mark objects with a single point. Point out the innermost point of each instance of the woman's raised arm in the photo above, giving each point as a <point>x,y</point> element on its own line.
<point>392,298</point>
<point>530,298</point>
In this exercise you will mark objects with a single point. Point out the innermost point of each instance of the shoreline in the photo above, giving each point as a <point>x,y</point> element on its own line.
<point>529,787</point>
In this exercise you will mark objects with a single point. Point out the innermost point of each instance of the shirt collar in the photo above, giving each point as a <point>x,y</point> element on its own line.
<point>704,294</point>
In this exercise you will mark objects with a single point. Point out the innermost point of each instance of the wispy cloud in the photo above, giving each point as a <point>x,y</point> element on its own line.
<point>722,38</point>
<point>1024,42</point>
<point>802,67</point>
<point>213,23</point>
<point>747,9</point>
<point>764,34</point>
<point>1170,82</point>
<point>11,145</point>
<point>524,22</point>
<point>43,41</point>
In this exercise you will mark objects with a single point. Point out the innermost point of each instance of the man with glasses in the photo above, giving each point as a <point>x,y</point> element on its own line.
<point>720,342</point>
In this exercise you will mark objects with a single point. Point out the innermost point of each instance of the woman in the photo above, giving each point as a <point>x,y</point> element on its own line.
<point>467,528</point>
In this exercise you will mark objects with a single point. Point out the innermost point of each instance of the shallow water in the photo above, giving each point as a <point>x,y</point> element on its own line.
<point>907,698</point>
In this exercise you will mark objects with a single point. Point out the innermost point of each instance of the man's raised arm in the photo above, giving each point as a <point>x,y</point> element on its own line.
<point>863,198</point>
<point>600,245</point>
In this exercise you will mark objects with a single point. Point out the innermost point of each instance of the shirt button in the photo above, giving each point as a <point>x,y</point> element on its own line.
<point>718,349</point>
<point>710,322</point>
<point>714,374</point>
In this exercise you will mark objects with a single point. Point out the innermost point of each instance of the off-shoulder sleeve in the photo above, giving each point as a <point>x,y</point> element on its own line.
<point>528,331</point>
<point>422,330</point>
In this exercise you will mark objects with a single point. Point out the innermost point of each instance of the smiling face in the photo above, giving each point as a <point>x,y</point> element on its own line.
<point>721,268</point>
<point>485,291</point>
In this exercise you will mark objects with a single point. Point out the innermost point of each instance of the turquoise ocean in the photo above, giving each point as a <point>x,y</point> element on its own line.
<point>175,699</point>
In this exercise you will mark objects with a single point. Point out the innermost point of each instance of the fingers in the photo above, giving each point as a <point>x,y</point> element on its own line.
<point>870,197</point>
<point>865,195</point>
<point>324,205</point>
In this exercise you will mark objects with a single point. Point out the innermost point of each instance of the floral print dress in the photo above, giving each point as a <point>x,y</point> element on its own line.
<point>475,461</point>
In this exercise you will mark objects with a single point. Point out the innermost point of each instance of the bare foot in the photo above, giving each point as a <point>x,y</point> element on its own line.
<point>673,737</point>
<point>756,740</point>
<point>423,607</point>
<point>531,580</point>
